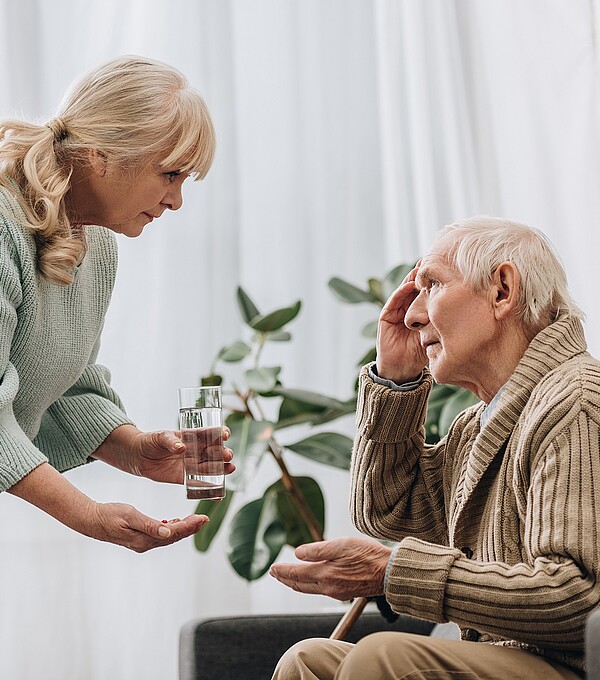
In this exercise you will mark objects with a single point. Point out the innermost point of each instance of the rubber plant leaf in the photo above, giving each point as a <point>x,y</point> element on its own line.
<point>348,292</point>
<point>329,448</point>
<point>269,323</point>
<point>256,537</point>
<point>297,531</point>
<point>279,336</point>
<point>262,379</point>
<point>216,510</point>
<point>394,278</point>
<point>249,441</point>
<point>248,309</point>
<point>453,406</point>
<point>236,352</point>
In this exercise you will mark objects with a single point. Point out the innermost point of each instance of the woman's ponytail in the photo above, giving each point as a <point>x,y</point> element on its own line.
<point>34,157</point>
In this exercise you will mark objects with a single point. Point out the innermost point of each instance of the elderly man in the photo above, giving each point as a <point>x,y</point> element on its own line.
<point>497,526</point>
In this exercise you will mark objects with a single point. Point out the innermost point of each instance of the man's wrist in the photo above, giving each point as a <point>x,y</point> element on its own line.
<point>400,387</point>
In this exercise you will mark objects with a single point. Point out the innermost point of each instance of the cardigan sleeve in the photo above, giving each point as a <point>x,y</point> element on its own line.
<point>397,480</point>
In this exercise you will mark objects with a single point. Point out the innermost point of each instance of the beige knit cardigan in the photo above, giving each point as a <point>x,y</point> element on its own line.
<point>498,527</point>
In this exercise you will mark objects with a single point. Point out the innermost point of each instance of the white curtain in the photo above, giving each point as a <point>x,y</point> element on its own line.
<point>349,132</point>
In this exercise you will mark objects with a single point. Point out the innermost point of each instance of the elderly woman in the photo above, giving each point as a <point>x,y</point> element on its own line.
<point>497,525</point>
<point>112,160</point>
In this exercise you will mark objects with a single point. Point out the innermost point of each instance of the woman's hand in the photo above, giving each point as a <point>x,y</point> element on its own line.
<point>342,568</point>
<point>400,356</point>
<point>155,455</point>
<point>124,525</point>
<point>116,523</point>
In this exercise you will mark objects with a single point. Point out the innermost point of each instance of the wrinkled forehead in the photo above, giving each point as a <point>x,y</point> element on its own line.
<point>441,251</point>
<point>435,263</point>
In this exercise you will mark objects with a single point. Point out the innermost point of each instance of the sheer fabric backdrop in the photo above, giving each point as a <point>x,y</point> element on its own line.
<point>349,132</point>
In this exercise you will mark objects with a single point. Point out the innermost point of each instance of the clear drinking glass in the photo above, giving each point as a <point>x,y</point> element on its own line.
<point>201,423</point>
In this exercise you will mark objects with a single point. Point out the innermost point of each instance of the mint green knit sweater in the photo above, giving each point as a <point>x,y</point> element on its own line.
<point>502,540</point>
<point>56,404</point>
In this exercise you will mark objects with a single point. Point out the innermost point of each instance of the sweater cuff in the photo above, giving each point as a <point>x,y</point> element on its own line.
<point>386,415</point>
<point>18,456</point>
<point>389,568</point>
<point>415,583</point>
<point>400,387</point>
<point>72,429</point>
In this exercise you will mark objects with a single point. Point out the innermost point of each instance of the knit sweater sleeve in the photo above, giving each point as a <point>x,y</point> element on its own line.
<point>75,425</point>
<point>18,455</point>
<point>397,480</point>
<point>544,599</point>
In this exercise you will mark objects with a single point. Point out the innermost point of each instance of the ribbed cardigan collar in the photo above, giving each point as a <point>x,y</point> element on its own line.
<point>550,348</point>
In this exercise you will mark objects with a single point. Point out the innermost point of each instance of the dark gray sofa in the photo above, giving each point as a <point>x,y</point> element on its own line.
<point>248,647</point>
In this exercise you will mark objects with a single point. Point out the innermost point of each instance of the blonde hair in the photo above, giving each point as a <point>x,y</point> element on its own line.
<point>477,246</point>
<point>130,109</point>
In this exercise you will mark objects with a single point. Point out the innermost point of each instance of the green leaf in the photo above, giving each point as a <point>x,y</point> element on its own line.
<point>347,292</point>
<point>299,407</point>
<point>248,309</point>
<point>268,394</point>
<point>249,441</point>
<point>297,531</point>
<point>432,421</point>
<point>370,356</point>
<point>329,448</point>
<point>310,398</point>
<point>235,417</point>
<point>348,407</point>
<point>262,379</point>
<point>236,352</point>
<point>370,330</point>
<point>279,336</point>
<point>293,412</point>
<point>453,406</point>
<point>211,380</point>
<point>394,278</point>
<point>256,537</point>
<point>216,510</point>
<point>441,391</point>
<point>275,320</point>
<point>376,290</point>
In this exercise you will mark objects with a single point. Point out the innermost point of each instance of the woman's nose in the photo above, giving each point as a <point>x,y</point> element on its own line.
<point>174,198</point>
<point>416,315</point>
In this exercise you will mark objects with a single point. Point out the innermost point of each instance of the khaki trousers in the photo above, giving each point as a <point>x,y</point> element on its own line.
<point>404,656</point>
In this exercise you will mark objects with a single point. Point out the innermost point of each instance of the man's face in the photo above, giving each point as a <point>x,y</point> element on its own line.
<point>457,326</point>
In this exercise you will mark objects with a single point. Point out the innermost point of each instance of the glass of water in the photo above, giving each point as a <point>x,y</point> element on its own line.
<point>201,426</point>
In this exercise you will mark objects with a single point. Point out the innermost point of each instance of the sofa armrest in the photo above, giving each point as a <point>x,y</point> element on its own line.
<point>592,645</point>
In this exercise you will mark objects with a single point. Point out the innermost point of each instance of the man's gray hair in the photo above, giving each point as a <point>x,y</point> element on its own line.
<point>477,246</point>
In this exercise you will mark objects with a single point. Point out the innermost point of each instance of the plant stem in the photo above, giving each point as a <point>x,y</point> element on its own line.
<point>291,485</point>
<point>262,338</point>
<point>288,481</point>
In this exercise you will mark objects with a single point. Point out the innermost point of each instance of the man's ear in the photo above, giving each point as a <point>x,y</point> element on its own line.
<point>505,288</point>
<point>98,161</point>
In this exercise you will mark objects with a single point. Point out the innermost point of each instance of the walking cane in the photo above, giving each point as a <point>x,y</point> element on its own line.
<point>349,619</point>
